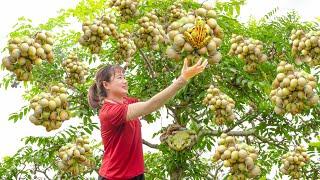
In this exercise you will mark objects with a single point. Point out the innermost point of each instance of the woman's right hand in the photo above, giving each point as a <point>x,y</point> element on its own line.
<point>189,72</point>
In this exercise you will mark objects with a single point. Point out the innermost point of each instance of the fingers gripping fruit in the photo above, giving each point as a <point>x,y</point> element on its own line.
<point>239,157</point>
<point>50,109</point>
<point>98,31</point>
<point>196,34</point>
<point>221,104</point>
<point>77,157</point>
<point>126,47</point>
<point>293,162</point>
<point>127,8</point>
<point>293,91</point>
<point>76,70</point>
<point>306,46</point>
<point>150,32</point>
<point>26,52</point>
<point>248,49</point>
<point>178,138</point>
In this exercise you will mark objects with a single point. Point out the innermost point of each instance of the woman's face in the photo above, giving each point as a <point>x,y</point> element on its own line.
<point>118,85</point>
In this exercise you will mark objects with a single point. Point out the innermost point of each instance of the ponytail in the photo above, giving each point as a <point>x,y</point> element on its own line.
<point>93,97</point>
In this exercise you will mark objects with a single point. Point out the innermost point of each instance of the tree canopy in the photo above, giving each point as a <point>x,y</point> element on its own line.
<point>259,96</point>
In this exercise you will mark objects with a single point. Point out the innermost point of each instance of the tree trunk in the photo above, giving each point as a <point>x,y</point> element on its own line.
<point>176,174</point>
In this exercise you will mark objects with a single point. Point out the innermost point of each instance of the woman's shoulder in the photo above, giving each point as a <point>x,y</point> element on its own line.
<point>132,99</point>
<point>127,100</point>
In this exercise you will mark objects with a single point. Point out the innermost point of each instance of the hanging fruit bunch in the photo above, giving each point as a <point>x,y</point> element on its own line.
<point>176,11</point>
<point>173,13</point>
<point>50,109</point>
<point>293,91</point>
<point>127,8</point>
<point>26,52</point>
<point>221,104</point>
<point>75,158</point>
<point>98,31</point>
<point>293,162</point>
<point>150,32</point>
<point>126,47</point>
<point>109,21</point>
<point>241,158</point>
<point>248,49</point>
<point>178,138</point>
<point>76,70</point>
<point>196,34</point>
<point>306,46</point>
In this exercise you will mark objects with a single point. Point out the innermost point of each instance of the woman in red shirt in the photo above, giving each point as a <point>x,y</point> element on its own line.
<point>119,119</point>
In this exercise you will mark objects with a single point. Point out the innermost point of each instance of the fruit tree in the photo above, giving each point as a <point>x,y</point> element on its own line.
<point>253,112</point>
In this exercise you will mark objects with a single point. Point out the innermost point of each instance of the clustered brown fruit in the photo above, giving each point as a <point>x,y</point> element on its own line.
<point>77,157</point>
<point>26,52</point>
<point>150,32</point>
<point>293,90</point>
<point>241,158</point>
<point>306,46</point>
<point>126,47</point>
<point>221,104</point>
<point>293,162</point>
<point>50,109</point>
<point>98,31</point>
<point>127,8</point>
<point>176,11</point>
<point>248,49</point>
<point>76,70</point>
<point>178,138</point>
<point>196,34</point>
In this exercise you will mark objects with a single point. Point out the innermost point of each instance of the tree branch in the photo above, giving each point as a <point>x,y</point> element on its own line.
<point>235,125</point>
<point>249,132</point>
<point>154,146</point>
<point>44,173</point>
<point>217,171</point>
<point>267,141</point>
<point>147,62</point>
<point>174,114</point>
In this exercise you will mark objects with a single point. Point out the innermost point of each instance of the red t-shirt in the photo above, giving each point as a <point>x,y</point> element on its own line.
<point>123,155</point>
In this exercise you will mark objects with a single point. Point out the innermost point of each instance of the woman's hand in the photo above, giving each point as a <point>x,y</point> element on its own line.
<point>189,72</point>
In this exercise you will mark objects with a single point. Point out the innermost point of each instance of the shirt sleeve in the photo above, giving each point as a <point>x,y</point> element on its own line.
<point>134,100</point>
<point>115,114</point>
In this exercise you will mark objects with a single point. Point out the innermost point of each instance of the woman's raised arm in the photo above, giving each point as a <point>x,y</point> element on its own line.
<point>157,101</point>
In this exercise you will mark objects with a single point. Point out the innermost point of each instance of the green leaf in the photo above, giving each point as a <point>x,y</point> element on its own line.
<point>314,144</point>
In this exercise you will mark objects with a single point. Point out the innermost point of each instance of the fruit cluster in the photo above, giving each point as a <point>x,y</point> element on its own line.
<point>294,161</point>
<point>76,70</point>
<point>241,158</point>
<point>221,104</point>
<point>178,138</point>
<point>26,52</point>
<point>176,11</point>
<point>293,90</point>
<point>196,34</point>
<point>76,157</point>
<point>150,32</point>
<point>98,31</point>
<point>306,46</point>
<point>127,8</point>
<point>126,47</point>
<point>50,109</point>
<point>248,49</point>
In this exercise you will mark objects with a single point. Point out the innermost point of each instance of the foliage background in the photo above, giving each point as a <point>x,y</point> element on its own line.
<point>264,127</point>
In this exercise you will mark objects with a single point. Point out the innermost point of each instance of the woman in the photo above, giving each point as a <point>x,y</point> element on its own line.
<point>119,118</point>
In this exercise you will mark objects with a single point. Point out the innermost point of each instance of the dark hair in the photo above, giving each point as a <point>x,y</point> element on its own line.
<point>97,92</point>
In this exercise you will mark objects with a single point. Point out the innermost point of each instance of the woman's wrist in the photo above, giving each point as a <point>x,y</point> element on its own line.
<point>182,79</point>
